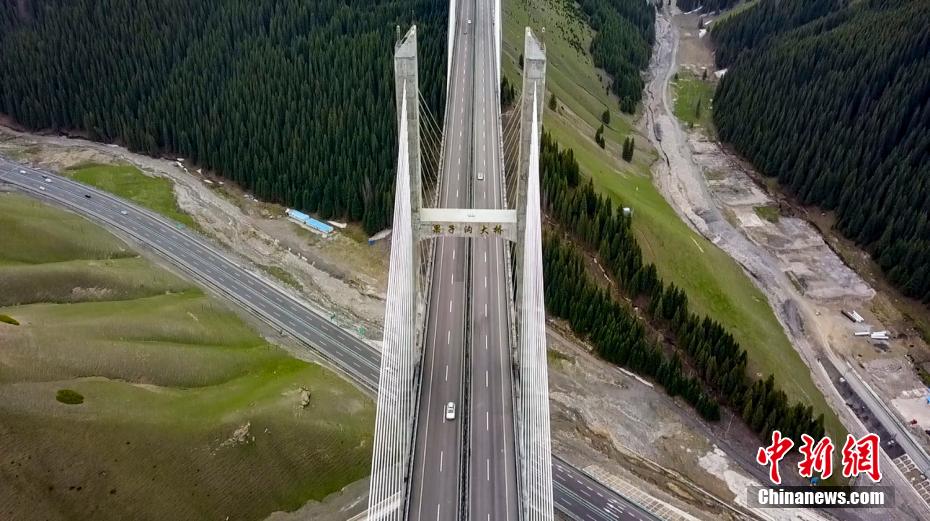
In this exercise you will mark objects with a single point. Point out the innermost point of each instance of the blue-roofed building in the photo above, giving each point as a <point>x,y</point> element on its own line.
<point>309,222</point>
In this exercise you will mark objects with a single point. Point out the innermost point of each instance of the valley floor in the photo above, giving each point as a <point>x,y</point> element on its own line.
<point>806,282</point>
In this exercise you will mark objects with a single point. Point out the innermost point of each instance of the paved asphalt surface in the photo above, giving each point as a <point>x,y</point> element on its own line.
<point>437,467</point>
<point>492,492</point>
<point>577,496</point>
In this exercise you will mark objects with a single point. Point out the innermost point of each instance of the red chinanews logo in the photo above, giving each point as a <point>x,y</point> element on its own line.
<point>860,456</point>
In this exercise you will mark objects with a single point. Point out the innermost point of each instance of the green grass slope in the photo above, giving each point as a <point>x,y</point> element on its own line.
<point>155,193</point>
<point>693,100</point>
<point>167,375</point>
<point>715,284</point>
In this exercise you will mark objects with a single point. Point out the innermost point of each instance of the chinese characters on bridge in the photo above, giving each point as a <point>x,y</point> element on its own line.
<point>859,456</point>
<point>477,230</point>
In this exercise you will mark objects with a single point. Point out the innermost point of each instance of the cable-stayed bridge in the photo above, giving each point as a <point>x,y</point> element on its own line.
<point>576,494</point>
<point>462,427</point>
<point>494,223</point>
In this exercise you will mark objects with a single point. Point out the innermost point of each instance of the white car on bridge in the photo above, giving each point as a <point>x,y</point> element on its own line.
<point>450,411</point>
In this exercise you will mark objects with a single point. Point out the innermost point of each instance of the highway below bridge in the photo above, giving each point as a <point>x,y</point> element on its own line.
<point>577,495</point>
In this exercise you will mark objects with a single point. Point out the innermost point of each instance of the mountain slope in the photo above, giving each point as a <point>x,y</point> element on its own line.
<point>294,100</point>
<point>838,109</point>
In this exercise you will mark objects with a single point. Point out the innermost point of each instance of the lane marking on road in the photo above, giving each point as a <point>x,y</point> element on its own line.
<point>485,377</point>
<point>485,310</point>
<point>487,420</point>
<point>440,461</point>
<point>485,342</point>
<point>448,336</point>
<point>450,305</point>
<point>488,461</point>
<point>447,373</point>
<point>485,281</point>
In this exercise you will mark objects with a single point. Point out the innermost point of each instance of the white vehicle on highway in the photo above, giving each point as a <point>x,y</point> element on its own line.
<point>481,176</point>
<point>123,212</point>
<point>22,172</point>
<point>450,411</point>
<point>41,188</point>
<point>48,180</point>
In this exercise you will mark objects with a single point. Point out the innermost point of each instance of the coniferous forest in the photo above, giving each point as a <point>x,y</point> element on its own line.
<point>292,99</point>
<point>622,44</point>
<point>833,99</point>
<point>705,365</point>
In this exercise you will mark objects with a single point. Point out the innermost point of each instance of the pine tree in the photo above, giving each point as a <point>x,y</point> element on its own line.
<point>599,136</point>
<point>628,148</point>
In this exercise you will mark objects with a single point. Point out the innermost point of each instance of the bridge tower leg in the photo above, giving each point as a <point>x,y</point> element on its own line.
<point>407,87</point>
<point>534,91</point>
<point>532,373</point>
<point>400,353</point>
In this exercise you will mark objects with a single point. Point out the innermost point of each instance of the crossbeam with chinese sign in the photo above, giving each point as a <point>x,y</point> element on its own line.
<point>468,222</point>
